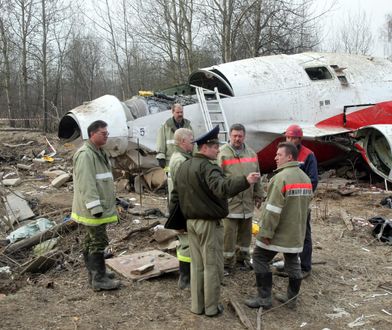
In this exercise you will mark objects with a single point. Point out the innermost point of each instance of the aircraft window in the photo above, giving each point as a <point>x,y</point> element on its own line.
<point>318,73</point>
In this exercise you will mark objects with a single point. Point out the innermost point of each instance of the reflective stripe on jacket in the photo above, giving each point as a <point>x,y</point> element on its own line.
<point>283,218</point>
<point>93,187</point>
<point>232,163</point>
<point>165,138</point>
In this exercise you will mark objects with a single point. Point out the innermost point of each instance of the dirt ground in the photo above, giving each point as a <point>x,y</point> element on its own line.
<point>350,286</point>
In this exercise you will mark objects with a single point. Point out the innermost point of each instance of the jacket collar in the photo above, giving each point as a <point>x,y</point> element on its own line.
<point>286,165</point>
<point>182,152</point>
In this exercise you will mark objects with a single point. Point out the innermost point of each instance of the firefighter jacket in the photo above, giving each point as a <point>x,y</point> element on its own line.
<point>241,162</point>
<point>93,187</point>
<point>202,189</point>
<point>165,138</point>
<point>283,217</point>
<point>178,157</point>
<point>308,163</point>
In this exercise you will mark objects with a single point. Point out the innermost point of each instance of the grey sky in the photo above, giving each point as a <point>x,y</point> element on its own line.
<point>375,12</point>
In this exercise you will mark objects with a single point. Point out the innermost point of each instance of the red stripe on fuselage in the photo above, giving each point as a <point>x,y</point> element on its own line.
<point>380,113</point>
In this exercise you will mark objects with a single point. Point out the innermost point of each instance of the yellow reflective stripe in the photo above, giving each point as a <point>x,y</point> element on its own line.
<point>183,258</point>
<point>93,221</point>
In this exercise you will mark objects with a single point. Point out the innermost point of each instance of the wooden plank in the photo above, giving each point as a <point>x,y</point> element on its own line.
<point>143,269</point>
<point>126,264</point>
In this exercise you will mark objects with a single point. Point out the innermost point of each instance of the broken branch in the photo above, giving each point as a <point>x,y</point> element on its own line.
<point>241,314</point>
<point>139,230</point>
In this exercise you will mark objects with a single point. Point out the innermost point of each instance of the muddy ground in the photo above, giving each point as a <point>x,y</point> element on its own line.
<point>350,287</point>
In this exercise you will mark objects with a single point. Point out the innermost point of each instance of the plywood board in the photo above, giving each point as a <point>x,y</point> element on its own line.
<point>163,263</point>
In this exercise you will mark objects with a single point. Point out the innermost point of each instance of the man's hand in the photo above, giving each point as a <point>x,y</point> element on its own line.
<point>253,177</point>
<point>162,162</point>
<point>257,202</point>
<point>266,241</point>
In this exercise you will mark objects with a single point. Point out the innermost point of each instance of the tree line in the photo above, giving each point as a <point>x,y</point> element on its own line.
<point>57,54</point>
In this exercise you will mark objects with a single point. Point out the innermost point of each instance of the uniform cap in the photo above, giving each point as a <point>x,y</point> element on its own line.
<point>209,137</point>
<point>294,131</point>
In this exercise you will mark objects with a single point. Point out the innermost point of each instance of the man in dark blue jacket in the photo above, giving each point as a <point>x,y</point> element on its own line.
<point>308,164</point>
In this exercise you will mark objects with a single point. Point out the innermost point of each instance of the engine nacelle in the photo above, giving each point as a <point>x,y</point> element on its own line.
<point>375,145</point>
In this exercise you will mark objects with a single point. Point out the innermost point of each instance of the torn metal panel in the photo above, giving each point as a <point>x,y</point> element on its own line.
<point>17,207</point>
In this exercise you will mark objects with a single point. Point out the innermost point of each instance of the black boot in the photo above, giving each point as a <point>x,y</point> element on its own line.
<point>100,281</point>
<point>185,275</point>
<point>109,274</point>
<point>264,288</point>
<point>292,292</point>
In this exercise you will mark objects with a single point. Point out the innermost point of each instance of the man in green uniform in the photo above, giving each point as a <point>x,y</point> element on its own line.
<point>165,138</point>
<point>183,139</point>
<point>237,158</point>
<point>202,190</point>
<point>94,203</point>
<point>282,228</point>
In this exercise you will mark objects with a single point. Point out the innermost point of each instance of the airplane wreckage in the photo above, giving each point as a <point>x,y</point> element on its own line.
<point>343,102</point>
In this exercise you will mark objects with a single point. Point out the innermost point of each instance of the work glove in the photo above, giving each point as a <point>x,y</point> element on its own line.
<point>98,215</point>
<point>162,162</point>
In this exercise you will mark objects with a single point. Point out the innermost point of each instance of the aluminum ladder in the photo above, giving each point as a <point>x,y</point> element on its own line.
<point>213,112</point>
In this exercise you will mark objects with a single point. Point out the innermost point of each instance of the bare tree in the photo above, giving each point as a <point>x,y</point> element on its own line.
<point>354,35</point>
<point>169,29</point>
<point>247,28</point>
<point>4,31</point>
<point>386,36</point>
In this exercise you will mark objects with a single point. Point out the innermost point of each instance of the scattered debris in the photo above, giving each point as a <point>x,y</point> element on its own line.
<point>45,247</point>
<point>42,263</point>
<point>53,173</point>
<point>18,145</point>
<point>133,231</point>
<point>37,226</point>
<point>143,269</point>
<point>359,321</point>
<point>387,202</point>
<point>5,272</point>
<point>12,182</point>
<point>337,313</point>
<point>24,167</point>
<point>40,237</point>
<point>17,208</point>
<point>382,229</point>
<point>60,180</point>
<point>162,263</point>
<point>241,314</point>
<point>346,219</point>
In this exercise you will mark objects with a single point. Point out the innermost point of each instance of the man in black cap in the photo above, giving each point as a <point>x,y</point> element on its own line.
<point>202,190</point>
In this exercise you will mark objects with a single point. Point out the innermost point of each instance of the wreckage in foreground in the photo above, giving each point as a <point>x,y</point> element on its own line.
<point>343,103</point>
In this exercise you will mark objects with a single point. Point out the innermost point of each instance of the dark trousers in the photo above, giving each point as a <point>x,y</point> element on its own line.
<point>263,257</point>
<point>306,254</point>
<point>96,239</point>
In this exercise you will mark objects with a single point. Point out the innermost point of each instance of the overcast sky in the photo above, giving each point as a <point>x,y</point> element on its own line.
<point>375,11</point>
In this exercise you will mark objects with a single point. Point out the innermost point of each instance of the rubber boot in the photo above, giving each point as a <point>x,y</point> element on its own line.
<point>100,281</point>
<point>292,292</point>
<point>264,288</point>
<point>109,274</point>
<point>185,275</point>
<point>86,262</point>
